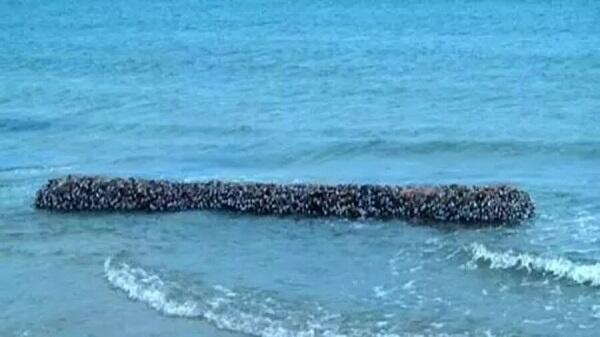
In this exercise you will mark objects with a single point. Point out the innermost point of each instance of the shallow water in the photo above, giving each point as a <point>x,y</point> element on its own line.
<point>469,92</point>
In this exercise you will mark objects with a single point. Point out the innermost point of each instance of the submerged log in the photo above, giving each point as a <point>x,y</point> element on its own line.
<point>449,203</point>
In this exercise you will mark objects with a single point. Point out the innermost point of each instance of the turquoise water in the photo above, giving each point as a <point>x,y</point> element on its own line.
<point>332,91</point>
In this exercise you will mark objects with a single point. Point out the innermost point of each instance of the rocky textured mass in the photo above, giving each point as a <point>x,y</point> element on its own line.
<point>451,203</point>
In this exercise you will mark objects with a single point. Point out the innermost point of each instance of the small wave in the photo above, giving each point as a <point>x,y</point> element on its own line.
<point>23,125</point>
<point>142,286</point>
<point>560,268</point>
<point>244,311</point>
<point>220,306</point>
<point>234,178</point>
<point>34,169</point>
<point>328,150</point>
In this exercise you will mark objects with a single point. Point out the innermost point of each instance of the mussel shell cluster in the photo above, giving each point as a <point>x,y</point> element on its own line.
<point>448,203</point>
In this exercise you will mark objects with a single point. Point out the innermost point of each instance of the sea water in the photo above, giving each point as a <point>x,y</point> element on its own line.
<point>398,92</point>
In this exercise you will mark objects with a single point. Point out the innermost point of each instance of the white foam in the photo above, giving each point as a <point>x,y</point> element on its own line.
<point>409,285</point>
<point>218,309</point>
<point>247,313</point>
<point>560,268</point>
<point>381,292</point>
<point>150,289</point>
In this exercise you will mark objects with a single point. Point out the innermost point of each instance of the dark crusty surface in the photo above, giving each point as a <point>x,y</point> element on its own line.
<point>449,203</point>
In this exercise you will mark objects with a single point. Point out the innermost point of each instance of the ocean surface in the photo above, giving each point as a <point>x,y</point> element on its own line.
<point>398,92</point>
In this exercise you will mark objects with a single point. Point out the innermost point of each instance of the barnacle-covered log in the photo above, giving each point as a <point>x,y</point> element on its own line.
<point>449,203</point>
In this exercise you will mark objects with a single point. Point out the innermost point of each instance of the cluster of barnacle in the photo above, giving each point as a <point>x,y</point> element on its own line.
<point>455,203</point>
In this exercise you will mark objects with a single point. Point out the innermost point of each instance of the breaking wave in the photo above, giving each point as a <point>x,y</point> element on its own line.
<point>150,289</point>
<point>560,268</point>
<point>245,311</point>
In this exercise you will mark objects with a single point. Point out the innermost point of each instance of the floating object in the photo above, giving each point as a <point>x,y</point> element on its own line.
<point>450,203</point>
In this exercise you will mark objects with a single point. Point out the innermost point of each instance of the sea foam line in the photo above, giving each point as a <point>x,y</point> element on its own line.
<point>249,313</point>
<point>148,288</point>
<point>217,307</point>
<point>560,268</point>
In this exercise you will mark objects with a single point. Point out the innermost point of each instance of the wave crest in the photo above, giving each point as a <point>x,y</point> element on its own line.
<point>251,312</point>
<point>150,289</point>
<point>560,268</point>
<point>226,309</point>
